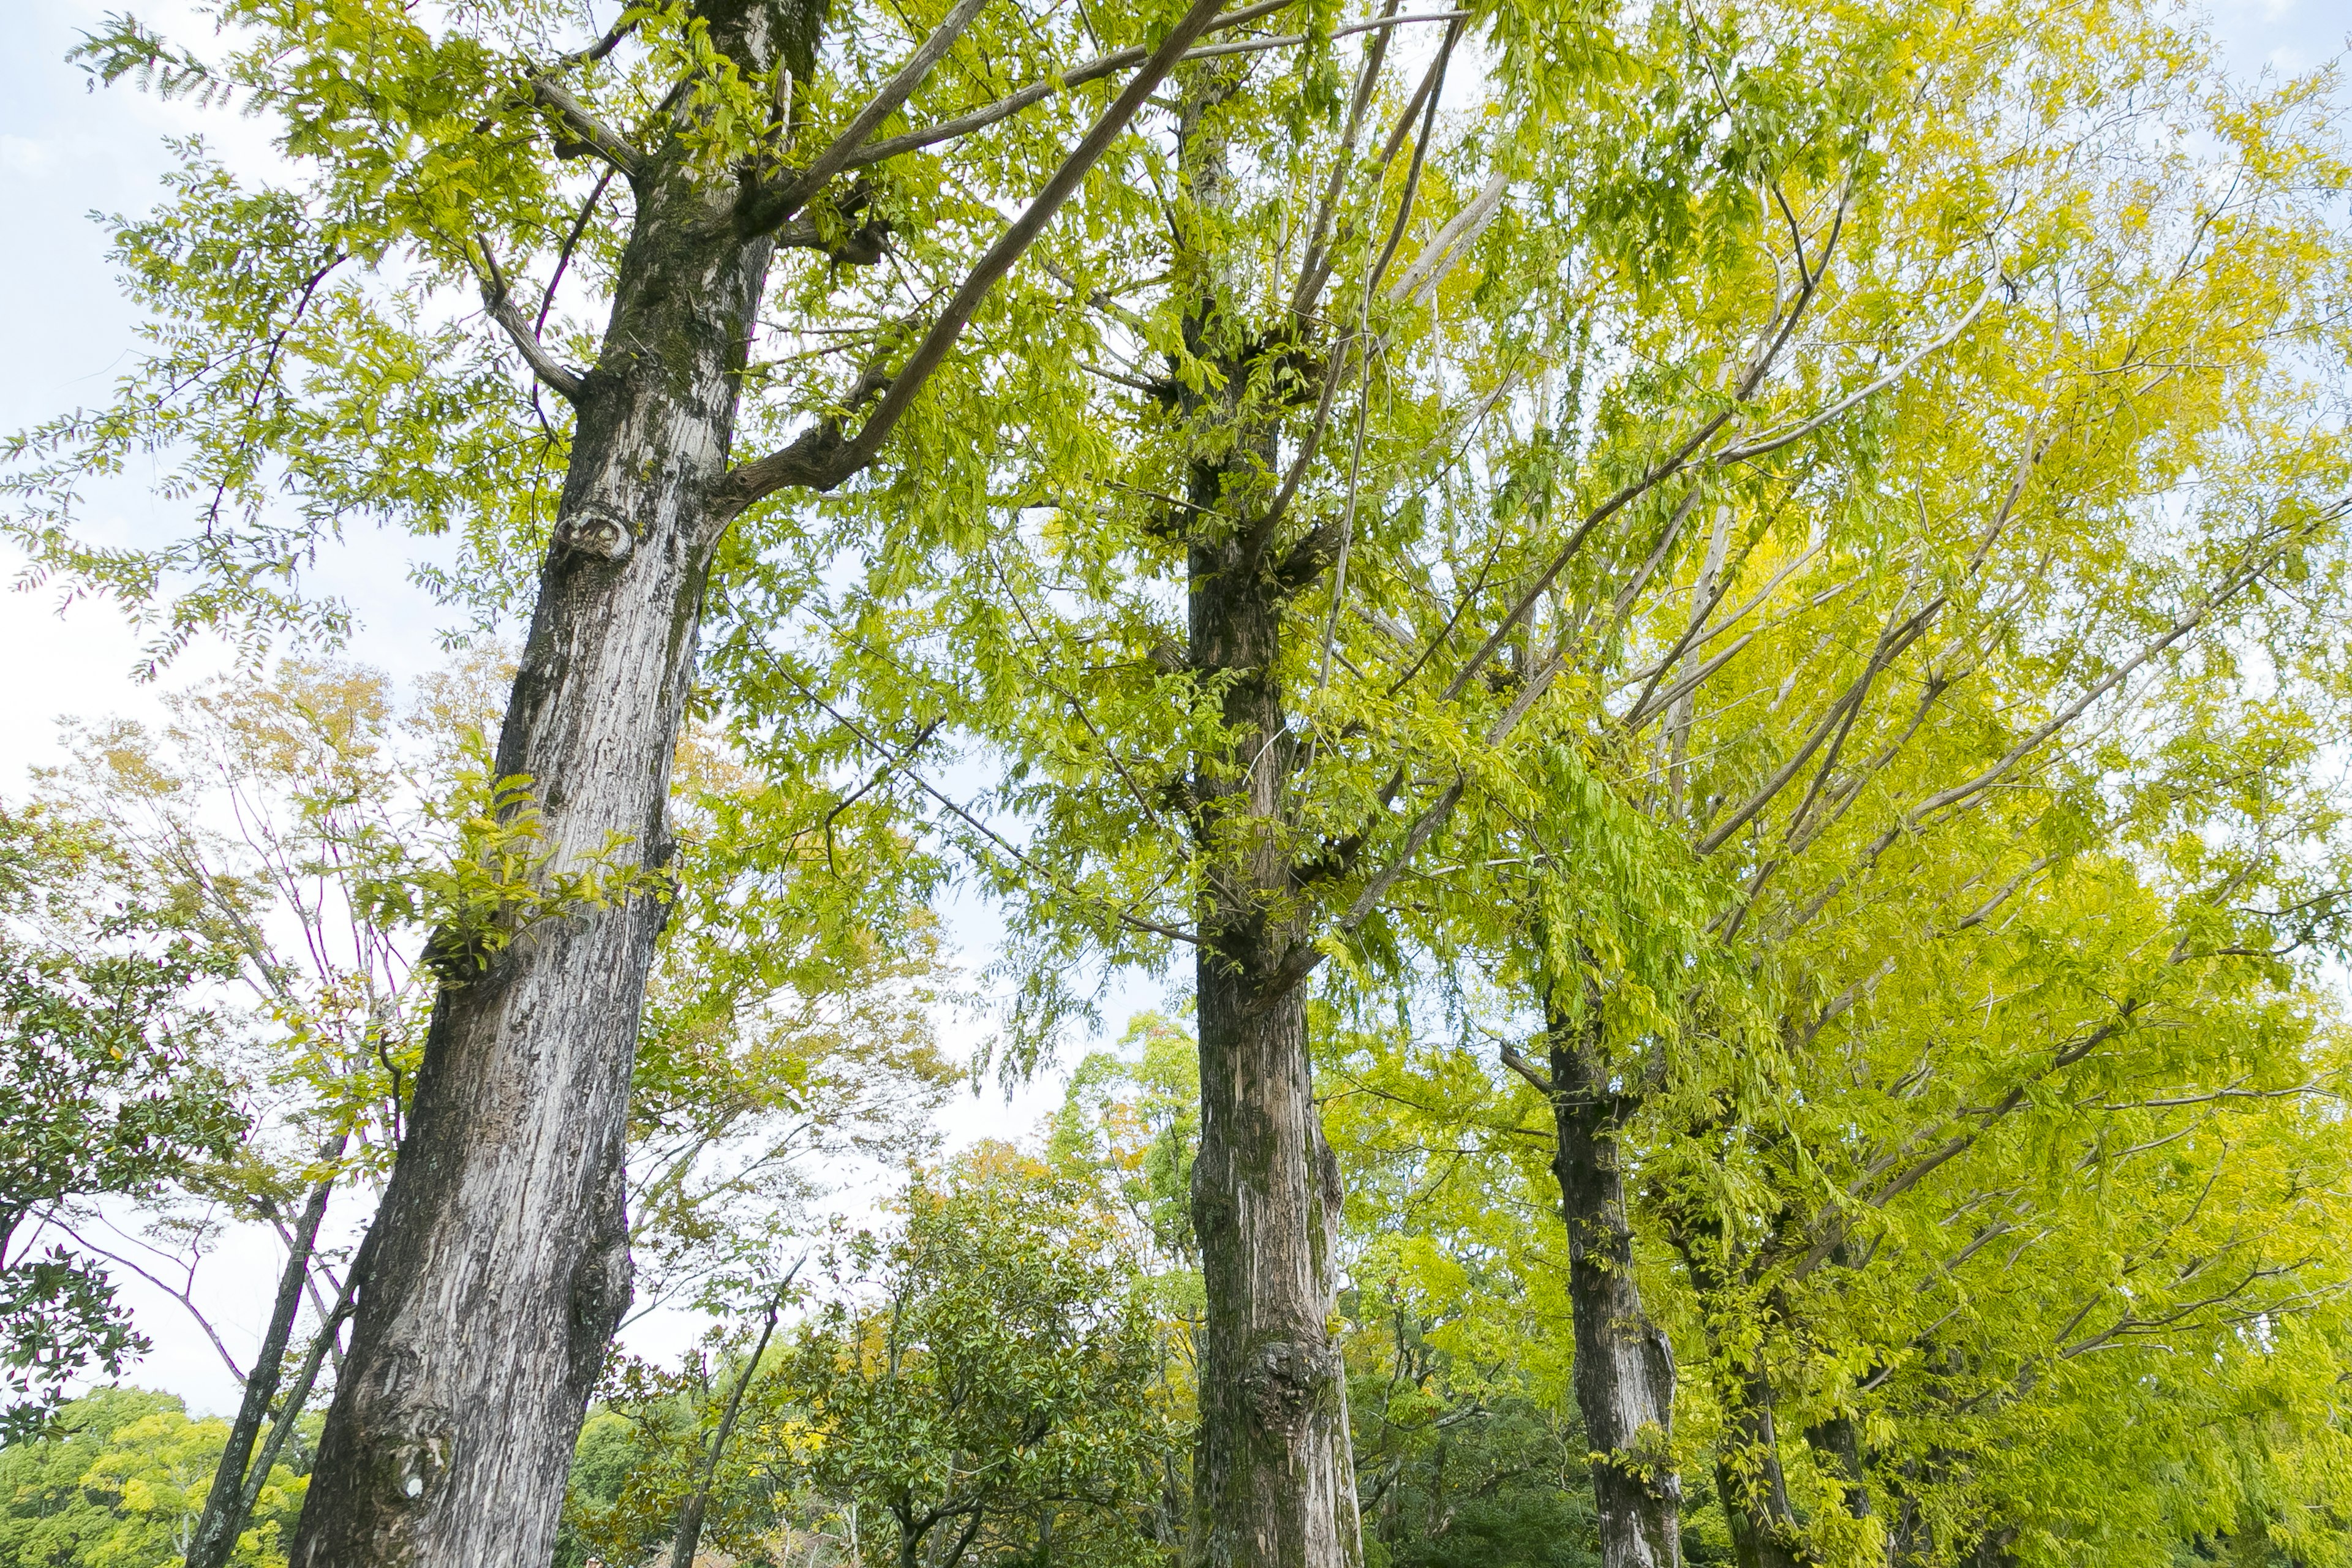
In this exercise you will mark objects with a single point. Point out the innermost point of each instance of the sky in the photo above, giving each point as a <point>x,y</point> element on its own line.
<point>67,152</point>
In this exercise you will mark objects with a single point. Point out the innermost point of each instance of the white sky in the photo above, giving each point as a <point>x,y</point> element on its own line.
<point>65,330</point>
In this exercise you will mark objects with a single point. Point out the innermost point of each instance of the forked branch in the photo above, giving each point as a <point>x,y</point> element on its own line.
<point>820,460</point>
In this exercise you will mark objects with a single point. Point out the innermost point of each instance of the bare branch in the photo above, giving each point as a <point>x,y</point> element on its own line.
<point>1459,232</point>
<point>1517,1062</point>
<point>1892,642</point>
<point>2002,895</point>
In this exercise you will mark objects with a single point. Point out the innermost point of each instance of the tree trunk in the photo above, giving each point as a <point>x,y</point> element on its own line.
<point>224,1515</point>
<point>498,1264</point>
<point>1274,1485</point>
<point>1836,1444</point>
<point>1750,1480</point>
<point>1273,1479</point>
<point>1624,1371</point>
<point>298,1396</point>
<point>687,1540</point>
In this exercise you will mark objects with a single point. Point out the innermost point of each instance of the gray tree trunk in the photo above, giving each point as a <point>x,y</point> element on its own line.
<point>1274,1481</point>
<point>1624,1372</point>
<point>1274,1476</point>
<point>498,1265</point>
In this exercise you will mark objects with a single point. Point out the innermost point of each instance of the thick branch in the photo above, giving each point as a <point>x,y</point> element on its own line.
<point>1428,268</point>
<point>819,459</point>
<point>587,131</point>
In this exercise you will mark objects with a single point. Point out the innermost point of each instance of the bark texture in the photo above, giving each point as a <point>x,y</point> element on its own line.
<point>1274,1484</point>
<point>499,1263</point>
<point>1625,1365</point>
<point>1273,1479</point>
<point>1765,1531</point>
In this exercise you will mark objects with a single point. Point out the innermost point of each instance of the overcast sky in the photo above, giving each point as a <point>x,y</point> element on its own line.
<point>65,330</point>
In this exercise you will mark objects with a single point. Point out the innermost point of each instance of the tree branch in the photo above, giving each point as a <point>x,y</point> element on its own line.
<point>587,131</point>
<point>1517,1062</point>
<point>559,378</point>
<point>1798,432</point>
<point>1463,229</point>
<point>819,459</point>
<point>766,205</point>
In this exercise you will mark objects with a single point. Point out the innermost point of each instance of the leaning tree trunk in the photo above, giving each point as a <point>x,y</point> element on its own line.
<point>225,1510</point>
<point>1624,1371</point>
<point>504,1213</point>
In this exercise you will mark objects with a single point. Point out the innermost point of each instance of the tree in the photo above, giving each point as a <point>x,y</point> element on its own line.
<point>982,1383</point>
<point>271,811</point>
<point>996,1395</point>
<point>107,1084</point>
<point>119,1482</point>
<point>1666,853</point>
<point>421,157</point>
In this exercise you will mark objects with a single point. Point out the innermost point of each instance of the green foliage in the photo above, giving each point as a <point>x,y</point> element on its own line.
<point>496,877</point>
<point>107,1083</point>
<point>790,1024</point>
<point>1825,587</point>
<point>119,1483</point>
<point>997,1384</point>
<point>982,1383</point>
<point>1130,1125</point>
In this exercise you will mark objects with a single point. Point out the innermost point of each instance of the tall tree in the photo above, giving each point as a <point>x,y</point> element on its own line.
<point>1910,700</point>
<point>428,157</point>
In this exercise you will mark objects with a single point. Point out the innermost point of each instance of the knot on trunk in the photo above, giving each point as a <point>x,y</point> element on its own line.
<point>601,1290</point>
<point>409,1466</point>
<point>595,533</point>
<point>1283,1381</point>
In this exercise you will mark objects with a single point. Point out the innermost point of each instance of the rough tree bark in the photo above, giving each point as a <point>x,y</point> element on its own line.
<point>1273,1482</point>
<point>1624,1372</point>
<point>1748,1475</point>
<point>498,1264</point>
<point>1273,1479</point>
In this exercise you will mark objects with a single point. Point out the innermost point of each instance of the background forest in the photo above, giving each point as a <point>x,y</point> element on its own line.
<point>1702,647</point>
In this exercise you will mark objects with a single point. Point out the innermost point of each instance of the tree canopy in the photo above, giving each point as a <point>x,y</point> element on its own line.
<point>1704,643</point>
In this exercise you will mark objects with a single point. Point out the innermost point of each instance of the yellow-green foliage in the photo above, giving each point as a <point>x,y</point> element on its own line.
<point>119,1485</point>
